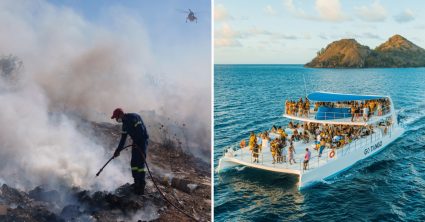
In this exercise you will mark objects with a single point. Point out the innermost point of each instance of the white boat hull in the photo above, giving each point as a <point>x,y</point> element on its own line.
<point>318,171</point>
<point>342,163</point>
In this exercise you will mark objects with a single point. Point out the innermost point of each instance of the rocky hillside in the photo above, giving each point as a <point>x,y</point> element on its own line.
<point>348,53</point>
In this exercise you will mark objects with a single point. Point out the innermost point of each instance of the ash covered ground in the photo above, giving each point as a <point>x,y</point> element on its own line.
<point>183,178</point>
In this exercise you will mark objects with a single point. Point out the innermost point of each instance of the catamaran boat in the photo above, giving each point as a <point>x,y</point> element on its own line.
<point>340,132</point>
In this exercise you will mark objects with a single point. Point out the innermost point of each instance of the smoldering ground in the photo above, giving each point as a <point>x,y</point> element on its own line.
<point>71,67</point>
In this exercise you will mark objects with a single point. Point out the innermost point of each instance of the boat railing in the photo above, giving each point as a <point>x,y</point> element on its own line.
<point>260,153</point>
<point>347,148</point>
<point>251,153</point>
<point>316,160</point>
<point>365,141</point>
<point>311,114</point>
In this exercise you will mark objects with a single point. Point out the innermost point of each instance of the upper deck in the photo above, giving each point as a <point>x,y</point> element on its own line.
<point>341,109</point>
<point>310,117</point>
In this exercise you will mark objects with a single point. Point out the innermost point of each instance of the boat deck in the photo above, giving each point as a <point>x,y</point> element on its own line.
<point>244,156</point>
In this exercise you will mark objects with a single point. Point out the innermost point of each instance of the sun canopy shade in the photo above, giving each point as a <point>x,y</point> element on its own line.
<point>336,97</point>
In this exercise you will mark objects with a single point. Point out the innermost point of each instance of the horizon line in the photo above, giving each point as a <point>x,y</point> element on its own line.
<point>258,64</point>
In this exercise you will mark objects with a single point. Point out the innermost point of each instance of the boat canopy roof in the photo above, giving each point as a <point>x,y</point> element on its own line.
<point>337,97</point>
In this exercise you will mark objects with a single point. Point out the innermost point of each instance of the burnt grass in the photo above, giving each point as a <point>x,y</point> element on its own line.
<point>188,187</point>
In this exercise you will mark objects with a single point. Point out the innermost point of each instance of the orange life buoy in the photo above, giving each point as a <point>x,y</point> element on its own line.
<point>332,154</point>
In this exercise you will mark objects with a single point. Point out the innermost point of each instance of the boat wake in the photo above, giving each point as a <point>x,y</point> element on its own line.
<point>240,168</point>
<point>327,182</point>
<point>336,178</point>
<point>410,116</point>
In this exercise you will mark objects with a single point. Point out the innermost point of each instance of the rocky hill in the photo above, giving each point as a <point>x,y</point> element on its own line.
<point>348,53</point>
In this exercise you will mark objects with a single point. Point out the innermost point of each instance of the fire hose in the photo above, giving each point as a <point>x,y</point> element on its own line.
<point>150,174</point>
<point>97,174</point>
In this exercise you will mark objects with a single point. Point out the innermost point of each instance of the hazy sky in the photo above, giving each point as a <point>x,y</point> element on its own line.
<point>292,31</point>
<point>171,39</point>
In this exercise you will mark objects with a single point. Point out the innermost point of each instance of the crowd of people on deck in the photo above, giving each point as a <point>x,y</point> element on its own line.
<point>298,108</point>
<point>368,108</point>
<point>276,144</point>
<point>360,110</point>
<point>281,144</point>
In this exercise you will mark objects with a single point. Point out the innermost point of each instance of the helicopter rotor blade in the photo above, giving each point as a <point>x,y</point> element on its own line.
<point>199,12</point>
<point>182,11</point>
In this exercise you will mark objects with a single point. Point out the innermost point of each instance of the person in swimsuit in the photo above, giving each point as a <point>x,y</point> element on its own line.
<point>291,153</point>
<point>306,158</point>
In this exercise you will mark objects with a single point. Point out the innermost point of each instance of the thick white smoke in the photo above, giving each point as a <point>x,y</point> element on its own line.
<point>41,147</point>
<point>71,65</point>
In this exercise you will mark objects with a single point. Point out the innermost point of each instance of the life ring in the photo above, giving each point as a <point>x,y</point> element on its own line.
<point>332,154</point>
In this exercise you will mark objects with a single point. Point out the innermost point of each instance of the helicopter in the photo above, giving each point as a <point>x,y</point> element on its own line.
<point>191,16</point>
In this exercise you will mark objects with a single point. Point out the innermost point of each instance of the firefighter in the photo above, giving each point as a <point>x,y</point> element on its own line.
<point>132,124</point>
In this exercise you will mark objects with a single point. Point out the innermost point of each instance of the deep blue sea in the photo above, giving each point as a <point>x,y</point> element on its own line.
<point>389,186</point>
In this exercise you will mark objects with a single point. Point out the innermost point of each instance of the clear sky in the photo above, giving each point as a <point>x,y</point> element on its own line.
<point>292,31</point>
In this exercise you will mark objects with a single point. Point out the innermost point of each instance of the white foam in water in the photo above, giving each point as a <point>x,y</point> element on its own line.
<point>327,181</point>
<point>411,119</point>
<point>411,115</point>
<point>240,168</point>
